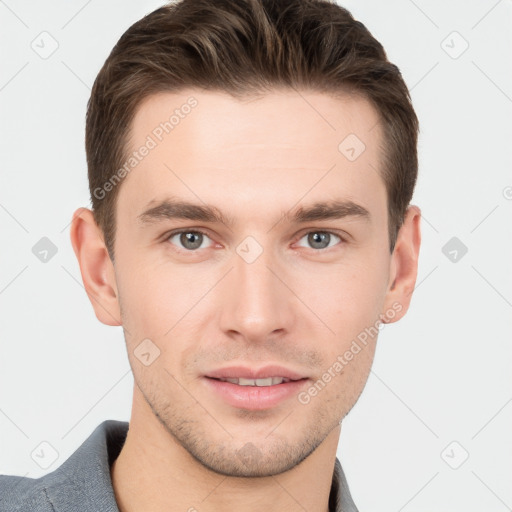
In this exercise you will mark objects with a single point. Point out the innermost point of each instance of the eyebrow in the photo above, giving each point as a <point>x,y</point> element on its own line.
<point>170,208</point>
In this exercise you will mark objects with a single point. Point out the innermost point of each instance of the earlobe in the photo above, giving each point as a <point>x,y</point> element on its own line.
<point>404,267</point>
<point>95,266</point>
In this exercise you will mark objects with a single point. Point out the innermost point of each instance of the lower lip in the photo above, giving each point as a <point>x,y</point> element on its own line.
<point>255,397</point>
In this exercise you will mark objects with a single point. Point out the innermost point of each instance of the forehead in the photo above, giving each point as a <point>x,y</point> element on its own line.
<point>209,146</point>
<point>284,117</point>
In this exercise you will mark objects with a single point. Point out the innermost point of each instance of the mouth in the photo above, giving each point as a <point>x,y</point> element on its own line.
<point>246,376</point>
<point>254,389</point>
<point>269,381</point>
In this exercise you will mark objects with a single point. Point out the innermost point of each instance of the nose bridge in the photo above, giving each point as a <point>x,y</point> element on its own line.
<point>257,304</point>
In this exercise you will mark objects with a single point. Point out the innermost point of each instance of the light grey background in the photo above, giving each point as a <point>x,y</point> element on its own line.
<point>440,389</point>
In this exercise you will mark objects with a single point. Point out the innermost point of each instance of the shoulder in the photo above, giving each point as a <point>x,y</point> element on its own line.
<point>81,483</point>
<point>18,493</point>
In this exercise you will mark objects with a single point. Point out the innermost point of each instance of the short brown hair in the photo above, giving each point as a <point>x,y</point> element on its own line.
<point>247,47</point>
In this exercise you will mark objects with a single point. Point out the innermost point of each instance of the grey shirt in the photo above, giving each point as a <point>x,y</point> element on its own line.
<point>82,483</point>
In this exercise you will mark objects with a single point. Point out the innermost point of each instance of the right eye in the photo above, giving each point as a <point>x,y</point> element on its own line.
<point>190,239</point>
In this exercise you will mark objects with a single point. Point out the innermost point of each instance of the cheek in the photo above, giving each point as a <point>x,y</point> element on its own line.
<point>146,301</point>
<point>348,297</point>
<point>161,301</point>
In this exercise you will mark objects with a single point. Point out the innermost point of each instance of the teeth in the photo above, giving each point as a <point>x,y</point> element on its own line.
<point>269,381</point>
<point>247,382</point>
<point>264,382</point>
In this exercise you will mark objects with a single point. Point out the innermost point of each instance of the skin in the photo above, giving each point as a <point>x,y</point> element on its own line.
<point>296,305</point>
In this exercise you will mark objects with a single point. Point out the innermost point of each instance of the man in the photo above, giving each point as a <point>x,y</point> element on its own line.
<point>251,166</point>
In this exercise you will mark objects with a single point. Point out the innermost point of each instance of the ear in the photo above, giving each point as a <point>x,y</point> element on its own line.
<point>96,267</point>
<point>404,267</point>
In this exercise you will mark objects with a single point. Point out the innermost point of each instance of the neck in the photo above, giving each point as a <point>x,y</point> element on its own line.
<point>154,472</point>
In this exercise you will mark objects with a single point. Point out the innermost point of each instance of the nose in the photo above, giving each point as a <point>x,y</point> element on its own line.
<point>257,304</point>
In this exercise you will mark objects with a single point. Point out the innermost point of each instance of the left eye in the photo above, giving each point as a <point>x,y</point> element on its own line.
<point>320,239</point>
<point>189,240</point>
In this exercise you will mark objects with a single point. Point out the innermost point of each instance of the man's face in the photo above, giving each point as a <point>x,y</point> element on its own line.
<point>262,294</point>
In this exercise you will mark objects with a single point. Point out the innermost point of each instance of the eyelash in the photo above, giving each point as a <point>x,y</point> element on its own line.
<point>168,236</point>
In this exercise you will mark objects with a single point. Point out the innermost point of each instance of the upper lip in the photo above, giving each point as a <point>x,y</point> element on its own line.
<point>232,372</point>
